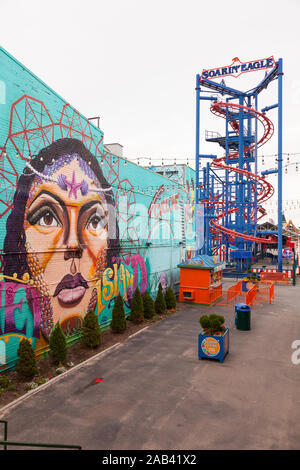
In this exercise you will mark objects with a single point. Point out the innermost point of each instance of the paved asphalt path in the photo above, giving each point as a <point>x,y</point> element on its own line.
<point>156,394</point>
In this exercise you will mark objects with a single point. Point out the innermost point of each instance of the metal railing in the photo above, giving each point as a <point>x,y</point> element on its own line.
<point>6,443</point>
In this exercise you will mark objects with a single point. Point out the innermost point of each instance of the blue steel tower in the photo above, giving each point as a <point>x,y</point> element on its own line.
<point>229,190</point>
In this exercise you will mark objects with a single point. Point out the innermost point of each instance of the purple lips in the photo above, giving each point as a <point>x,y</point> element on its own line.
<point>71,289</point>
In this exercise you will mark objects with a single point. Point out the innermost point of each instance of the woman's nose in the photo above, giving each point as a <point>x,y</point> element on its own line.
<point>73,249</point>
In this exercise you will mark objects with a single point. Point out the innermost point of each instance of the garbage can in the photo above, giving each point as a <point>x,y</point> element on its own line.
<point>236,309</point>
<point>243,317</point>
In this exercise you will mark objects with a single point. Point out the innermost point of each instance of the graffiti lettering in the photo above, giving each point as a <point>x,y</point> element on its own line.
<point>165,206</point>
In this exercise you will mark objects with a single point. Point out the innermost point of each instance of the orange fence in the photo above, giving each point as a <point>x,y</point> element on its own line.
<point>258,292</point>
<point>265,292</point>
<point>251,295</point>
<point>233,292</point>
<point>275,277</point>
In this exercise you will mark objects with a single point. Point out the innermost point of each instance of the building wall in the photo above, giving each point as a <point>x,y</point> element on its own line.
<point>78,224</point>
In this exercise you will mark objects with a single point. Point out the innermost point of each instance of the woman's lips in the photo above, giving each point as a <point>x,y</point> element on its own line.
<point>70,296</point>
<point>71,289</point>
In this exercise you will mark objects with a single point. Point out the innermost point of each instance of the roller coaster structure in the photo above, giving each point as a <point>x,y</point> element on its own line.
<point>229,192</point>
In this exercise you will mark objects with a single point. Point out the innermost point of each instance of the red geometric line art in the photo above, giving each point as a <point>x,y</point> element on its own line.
<point>8,182</point>
<point>31,126</point>
<point>72,125</point>
<point>125,194</point>
<point>109,165</point>
<point>130,243</point>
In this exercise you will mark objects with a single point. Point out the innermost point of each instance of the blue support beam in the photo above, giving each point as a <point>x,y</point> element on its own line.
<point>267,108</point>
<point>269,172</point>
<point>280,73</point>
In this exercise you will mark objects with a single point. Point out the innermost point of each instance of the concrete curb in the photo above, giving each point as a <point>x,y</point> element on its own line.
<point>16,402</point>
<point>138,332</point>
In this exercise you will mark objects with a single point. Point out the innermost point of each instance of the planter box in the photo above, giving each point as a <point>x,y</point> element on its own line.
<point>213,347</point>
<point>244,286</point>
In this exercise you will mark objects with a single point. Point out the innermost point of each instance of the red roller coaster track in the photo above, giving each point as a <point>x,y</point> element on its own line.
<point>219,109</point>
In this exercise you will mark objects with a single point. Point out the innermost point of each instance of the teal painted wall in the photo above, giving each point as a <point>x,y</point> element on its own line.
<point>77,224</point>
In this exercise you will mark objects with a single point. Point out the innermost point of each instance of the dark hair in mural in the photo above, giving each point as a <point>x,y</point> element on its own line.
<point>15,255</point>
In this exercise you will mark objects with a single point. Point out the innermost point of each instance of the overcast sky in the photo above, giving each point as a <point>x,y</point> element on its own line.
<point>134,62</point>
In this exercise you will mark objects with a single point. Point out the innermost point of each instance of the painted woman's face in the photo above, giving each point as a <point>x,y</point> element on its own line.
<point>66,232</point>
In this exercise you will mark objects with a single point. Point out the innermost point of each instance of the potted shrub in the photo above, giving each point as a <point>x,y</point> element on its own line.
<point>213,341</point>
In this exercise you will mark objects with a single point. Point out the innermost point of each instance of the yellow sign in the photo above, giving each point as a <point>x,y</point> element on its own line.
<point>210,347</point>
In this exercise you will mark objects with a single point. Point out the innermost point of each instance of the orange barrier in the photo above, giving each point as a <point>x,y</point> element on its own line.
<point>233,292</point>
<point>275,277</point>
<point>265,292</point>
<point>272,295</point>
<point>251,295</point>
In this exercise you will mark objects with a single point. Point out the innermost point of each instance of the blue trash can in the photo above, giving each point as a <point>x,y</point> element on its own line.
<point>243,317</point>
<point>236,309</point>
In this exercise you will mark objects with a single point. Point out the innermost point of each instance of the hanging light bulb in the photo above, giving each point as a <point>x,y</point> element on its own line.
<point>162,162</point>
<point>285,170</point>
<point>263,161</point>
<point>125,163</point>
<point>288,159</point>
<point>200,164</point>
<point>138,161</point>
<point>296,166</point>
<point>175,163</point>
<point>101,163</point>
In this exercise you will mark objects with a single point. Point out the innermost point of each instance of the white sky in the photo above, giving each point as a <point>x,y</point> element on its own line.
<point>134,62</point>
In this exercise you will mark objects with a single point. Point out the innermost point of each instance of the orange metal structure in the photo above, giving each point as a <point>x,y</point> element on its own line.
<point>201,280</point>
<point>275,277</point>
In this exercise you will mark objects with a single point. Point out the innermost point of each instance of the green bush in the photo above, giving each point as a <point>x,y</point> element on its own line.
<point>170,298</point>
<point>204,321</point>
<point>212,325</point>
<point>91,332</point>
<point>137,308</point>
<point>118,323</point>
<point>58,345</point>
<point>148,304</point>
<point>4,381</point>
<point>160,302</point>
<point>26,366</point>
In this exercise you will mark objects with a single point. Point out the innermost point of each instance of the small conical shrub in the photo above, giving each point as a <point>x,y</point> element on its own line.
<point>149,310</point>
<point>137,308</point>
<point>58,345</point>
<point>118,323</point>
<point>26,365</point>
<point>170,299</point>
<point>160,303</point>
<point>91,332</point>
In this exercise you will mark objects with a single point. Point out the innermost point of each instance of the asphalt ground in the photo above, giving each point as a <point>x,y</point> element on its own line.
<point>156,394</point>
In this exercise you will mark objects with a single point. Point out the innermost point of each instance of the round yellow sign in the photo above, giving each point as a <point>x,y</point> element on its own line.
<point>210,347</point>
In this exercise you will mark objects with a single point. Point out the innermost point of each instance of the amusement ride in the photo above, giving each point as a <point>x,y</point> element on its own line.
<point>229,189</point>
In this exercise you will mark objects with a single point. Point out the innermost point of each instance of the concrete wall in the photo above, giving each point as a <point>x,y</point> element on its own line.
<point>77,223</point>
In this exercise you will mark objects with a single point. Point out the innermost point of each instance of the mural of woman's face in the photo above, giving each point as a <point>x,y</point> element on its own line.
<point>66,233</point>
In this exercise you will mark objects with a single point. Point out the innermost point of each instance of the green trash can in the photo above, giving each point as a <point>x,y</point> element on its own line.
<point>243,317</point>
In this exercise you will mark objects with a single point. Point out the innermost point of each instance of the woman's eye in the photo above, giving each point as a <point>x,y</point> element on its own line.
<point>48,220</point>
<point>95,224</point>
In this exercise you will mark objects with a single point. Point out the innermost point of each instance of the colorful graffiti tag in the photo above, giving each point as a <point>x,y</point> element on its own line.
<point>75,229</point>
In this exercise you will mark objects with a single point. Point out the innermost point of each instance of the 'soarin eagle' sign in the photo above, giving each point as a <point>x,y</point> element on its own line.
<point>237,68</point>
